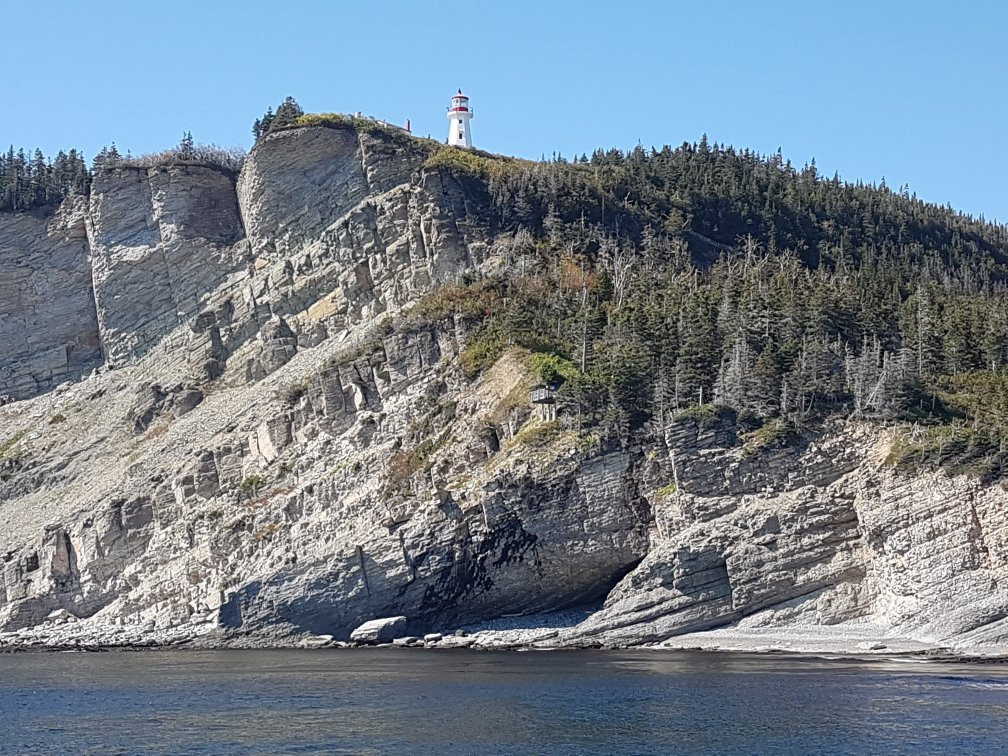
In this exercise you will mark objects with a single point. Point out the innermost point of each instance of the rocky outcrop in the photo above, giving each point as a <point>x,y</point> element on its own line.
<point>161,239</point>
<point>937,555</point>
<point>151,401</point>
<point>312,520</point>
<point>48,324</point>
<point>78,573</point>
<point>823,535</point>
<point>527,545</point>
<point>342,226</point>
<point>349,226</point>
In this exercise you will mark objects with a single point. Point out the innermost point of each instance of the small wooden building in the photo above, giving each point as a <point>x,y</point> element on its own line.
<point>543,399</point>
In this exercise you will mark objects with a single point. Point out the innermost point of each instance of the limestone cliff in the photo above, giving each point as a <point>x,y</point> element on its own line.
<point>161,240</point>
<point>272,446</point>
<point>48,325</point>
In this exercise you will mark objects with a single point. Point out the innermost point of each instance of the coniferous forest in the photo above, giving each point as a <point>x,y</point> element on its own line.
<point>708,280</point>
<point>34,181</point>
<point>37,182</point>
<point>740,289</point>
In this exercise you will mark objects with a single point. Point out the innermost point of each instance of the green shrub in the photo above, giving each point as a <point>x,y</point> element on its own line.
<point>538,434</point>
<point>977,452</point>
<point>480,353</point>
<point>980,394</point>
<point>707,416</point>
<point>295,392</point>
<point>366,348</point>
<point>251,485</point>
<point>331,120</point>
<point>774,432</point>
<point>552,368</point>
<point>361,125</point>
<point>666,491</point>
<point>479,299</point>
<point>266,531</point>
<point>403,464</point>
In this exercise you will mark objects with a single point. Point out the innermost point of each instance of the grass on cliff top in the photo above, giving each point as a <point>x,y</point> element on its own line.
<point>359,124</point>
<point>227,160</point>
<point>441,156</point>
<point>329,121</point>
<point>474,162</point>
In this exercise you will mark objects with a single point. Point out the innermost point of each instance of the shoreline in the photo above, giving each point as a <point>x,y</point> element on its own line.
<point>563,630</point>
<point>930,655</point>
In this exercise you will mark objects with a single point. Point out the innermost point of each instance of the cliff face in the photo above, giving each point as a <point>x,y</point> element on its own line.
<point>271,447</point>
<point>241,451</point>
<point>825,535</point>
<point>48,325</point>
<point>161,240</point>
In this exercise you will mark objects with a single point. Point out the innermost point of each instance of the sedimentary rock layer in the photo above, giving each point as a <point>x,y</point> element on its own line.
<point>48,324</point>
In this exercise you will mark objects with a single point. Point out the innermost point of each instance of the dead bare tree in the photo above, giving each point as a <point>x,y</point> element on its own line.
<point>617,260</point>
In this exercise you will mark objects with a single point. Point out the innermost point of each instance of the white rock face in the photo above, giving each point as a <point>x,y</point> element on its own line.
<point>279,455</point>
<point>161,241</point>
<point>938,552</point>
<point>48,325</point>
<point>236,469</point>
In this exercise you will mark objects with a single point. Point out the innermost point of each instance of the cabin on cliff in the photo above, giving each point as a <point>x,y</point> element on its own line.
<point>543,399</point>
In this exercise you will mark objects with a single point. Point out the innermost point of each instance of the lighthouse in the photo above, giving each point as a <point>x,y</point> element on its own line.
<point>458,118</point>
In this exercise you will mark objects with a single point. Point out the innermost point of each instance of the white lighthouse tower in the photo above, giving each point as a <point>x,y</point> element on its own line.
<point>458,116</point>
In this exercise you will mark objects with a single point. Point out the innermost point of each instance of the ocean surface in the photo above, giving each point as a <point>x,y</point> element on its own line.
<point>417,701</point>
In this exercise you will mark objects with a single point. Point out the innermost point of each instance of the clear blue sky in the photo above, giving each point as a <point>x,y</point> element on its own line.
<point>916,92</point>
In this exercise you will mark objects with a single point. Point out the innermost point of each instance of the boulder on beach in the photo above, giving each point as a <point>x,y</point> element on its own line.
<point>383,630</point>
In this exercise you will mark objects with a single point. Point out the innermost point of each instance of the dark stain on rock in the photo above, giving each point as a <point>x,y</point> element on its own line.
<point>507,543</point>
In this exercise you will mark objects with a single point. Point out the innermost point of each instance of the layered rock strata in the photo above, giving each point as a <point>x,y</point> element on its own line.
<point>820,536</point>
<point>161,241</point>
<point>48,322</point>
<point>273,448</point>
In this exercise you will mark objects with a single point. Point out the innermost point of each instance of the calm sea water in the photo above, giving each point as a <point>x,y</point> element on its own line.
<point>391,701</point>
